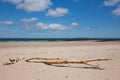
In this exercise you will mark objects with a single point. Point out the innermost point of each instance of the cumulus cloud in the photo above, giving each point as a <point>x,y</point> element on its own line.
<point>116,11</point>
<point>74,24</point>
<point>13,1</point>
<point>37,6</point>
<point>110,2</point>
<point>6,22</point>
<point>28,19</point>
<point>53,26</point>
<point>31,5</point>
<point>34,5</point>
<point>113,3</point>
<point>57,12</point>
<point>28,24</point>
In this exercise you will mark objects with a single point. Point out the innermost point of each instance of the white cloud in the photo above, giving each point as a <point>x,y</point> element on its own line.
<point>57,12</point>
<point>53,26</point>
<point>110,2</point>
<point>34,5</point>
<point>6,22</point>
<point>116,11</point>
<point>113,3</point>
<point>28,19</point>
<point>13,1</point>
<point>31,5</point>
<point>74,24</point>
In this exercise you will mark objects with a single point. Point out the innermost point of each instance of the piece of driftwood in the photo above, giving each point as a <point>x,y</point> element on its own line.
<point>60,61</point>
<point>57,61</point>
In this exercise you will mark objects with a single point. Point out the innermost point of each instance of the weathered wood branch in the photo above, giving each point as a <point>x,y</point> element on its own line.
<point>57,61</point>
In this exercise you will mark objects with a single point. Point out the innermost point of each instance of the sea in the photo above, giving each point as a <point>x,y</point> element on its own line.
<point>58,39</point>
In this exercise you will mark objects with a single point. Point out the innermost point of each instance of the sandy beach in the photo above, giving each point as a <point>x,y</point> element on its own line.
<point>71,50</point>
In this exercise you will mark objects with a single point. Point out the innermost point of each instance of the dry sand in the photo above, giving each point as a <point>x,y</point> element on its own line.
<point>78,50</point>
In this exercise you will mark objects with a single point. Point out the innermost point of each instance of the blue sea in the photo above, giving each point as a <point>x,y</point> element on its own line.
<point>58,39</point>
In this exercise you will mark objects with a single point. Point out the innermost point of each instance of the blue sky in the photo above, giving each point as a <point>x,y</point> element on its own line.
<point>59,18</point>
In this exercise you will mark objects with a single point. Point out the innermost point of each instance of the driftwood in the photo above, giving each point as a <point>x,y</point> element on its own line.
<point>57,61</point>
<point>60,61</point>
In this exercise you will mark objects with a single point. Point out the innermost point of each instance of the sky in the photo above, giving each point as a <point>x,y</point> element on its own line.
<point>59,18</point>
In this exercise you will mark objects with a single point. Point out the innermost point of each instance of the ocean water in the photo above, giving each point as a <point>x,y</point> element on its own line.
<point>58,39</point>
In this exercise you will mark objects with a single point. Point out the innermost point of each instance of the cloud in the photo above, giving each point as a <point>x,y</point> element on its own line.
<point>6,22</point>
<point>74,24</point>
<point>53,26</point>
<point>37,6</point>
<point>110,2</point>
<point>34,5</point>
<point>113,3</point>
<point>116,11</point>
<point>28,19</point>
<point>31,5</point>
<point>28,24</point>
<point>13,1</point>
<point>58,12</point>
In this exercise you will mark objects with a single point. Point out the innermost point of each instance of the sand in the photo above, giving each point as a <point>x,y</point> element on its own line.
<point>73,50</point>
